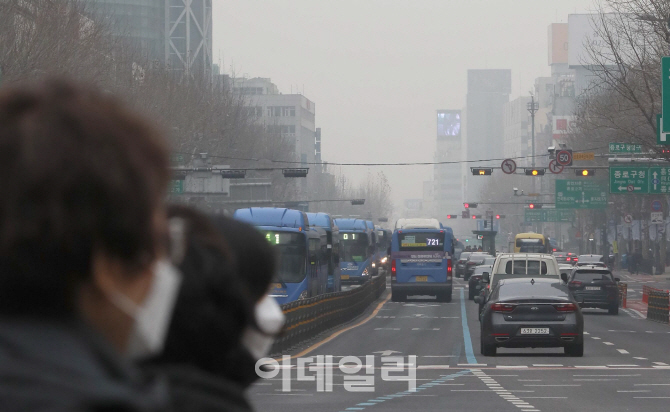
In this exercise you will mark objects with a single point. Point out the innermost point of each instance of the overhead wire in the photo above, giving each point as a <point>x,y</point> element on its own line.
<point>252,159</point>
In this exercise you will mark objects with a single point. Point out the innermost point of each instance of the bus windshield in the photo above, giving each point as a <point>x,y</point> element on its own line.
<point>291,255</point>
<point>421,241</point>
<point>530,245</point>
<point>354,247</point>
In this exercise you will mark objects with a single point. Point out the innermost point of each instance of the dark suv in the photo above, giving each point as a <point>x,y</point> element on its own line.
<point>595,287</point>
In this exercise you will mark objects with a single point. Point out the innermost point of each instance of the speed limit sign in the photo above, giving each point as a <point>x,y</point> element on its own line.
<point>564,157</point>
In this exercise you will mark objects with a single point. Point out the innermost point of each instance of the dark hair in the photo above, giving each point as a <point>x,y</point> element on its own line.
<point>213,307</point>
<point>256,260</point>
<point>81,174</point>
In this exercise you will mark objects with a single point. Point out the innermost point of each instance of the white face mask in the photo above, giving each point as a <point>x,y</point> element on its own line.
<point>152,318</point>
<point>270,320</point>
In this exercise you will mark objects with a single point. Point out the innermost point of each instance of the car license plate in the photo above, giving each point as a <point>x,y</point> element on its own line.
<point>534,331</point>
<point>344,277</point>
<point>592,288</point>
<point>422,278</point>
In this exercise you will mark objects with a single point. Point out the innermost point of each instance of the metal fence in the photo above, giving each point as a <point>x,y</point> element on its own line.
<point>306,318</point>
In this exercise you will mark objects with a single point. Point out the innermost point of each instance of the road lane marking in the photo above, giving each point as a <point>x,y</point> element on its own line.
<point>553,385</point>
<point>623,351</point>
<point>595,337</point>
<point>547,365</point>
<point>660,363</point>
<point>511,367</point>
<point>467,340</point>
<point>638,358</point>
<point>608,343</point>
<point>622,366</point>
<point>634,391</point>
<point>338,333</point>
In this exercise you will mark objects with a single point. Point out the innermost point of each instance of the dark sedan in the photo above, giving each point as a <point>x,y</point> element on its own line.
<point>531,313</point>
<point>459,270</point>
<point>475,282</point>
<point>594,287</point>
<point>473,261</point>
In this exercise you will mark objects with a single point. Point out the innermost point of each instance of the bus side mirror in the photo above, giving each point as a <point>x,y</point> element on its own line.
<point>486,278</point>
<point>564,277</point>
<point>478,299</point>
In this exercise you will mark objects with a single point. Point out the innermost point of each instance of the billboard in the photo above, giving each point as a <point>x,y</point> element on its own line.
<point>584,39</point>
<point>448,124</point>
<point>558,43</point>
<point>562,126</point>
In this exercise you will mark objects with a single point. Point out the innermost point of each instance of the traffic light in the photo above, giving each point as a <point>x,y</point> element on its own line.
<point>481,171</point>
<point>534,206</point>
<point>470,205</point>
<point>535,172</point>
<point>295,172</point>
<point>357,202</point>
<point>585,172</point>
<point>233,173</point>
<point>475,217</point>
<point>452,216</point>
<point>465,214</point>
<point>499,216</point>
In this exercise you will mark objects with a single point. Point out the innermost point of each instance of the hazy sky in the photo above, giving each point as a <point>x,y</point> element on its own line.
<point>379,69</point>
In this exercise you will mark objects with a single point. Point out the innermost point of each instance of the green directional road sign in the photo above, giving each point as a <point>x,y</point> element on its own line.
<point>176,186</point>
<point>661,137</point>
<point>549,215</point>
<point>665,82</point>
<point>625,148</point>
<point>581,194</point>
<point>629,179</point>
<point>659,180</point>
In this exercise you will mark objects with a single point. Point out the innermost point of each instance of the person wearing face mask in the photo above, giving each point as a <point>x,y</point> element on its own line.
<point>83,290</point>
<point>221,325</point>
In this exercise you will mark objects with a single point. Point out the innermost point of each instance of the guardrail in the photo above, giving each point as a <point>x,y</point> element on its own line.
<point>645,293</point>
<point>623,295</point>
<point>308,317</point>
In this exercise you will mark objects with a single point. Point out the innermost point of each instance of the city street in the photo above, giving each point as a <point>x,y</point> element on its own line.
<point>626,364</point>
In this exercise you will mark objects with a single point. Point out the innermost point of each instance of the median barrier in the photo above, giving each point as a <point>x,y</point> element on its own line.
<point>307,318</point>
<point>623,295</point>
<point>658,305</point>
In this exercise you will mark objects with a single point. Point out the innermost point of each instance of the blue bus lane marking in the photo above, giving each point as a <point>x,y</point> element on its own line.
<point>467,340</point>
<point>470,355</point>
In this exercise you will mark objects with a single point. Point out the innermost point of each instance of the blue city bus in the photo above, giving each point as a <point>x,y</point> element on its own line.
<point>356,250</point>
<point>421,260</point>
<point>325,222</point>
<point>300,274</point>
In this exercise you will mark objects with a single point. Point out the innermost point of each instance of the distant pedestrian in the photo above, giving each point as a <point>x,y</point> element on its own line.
<point>81,222</point>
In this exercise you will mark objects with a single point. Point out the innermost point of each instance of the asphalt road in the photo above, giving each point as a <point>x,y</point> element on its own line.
<point>626,365</point>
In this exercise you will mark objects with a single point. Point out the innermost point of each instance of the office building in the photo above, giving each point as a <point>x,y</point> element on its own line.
<point>174,33</point>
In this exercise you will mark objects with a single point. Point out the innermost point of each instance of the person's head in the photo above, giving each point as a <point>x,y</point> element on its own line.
<point>256,261</point>
<point>215,306</point>
<point>81,217</point>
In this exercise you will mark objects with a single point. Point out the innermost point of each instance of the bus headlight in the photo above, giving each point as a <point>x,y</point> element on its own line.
<point>374,264</point>
<point>385,259</point>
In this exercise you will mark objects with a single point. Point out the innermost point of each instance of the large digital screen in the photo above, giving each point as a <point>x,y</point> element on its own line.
<point>448,123</point>
<point>421,241</point>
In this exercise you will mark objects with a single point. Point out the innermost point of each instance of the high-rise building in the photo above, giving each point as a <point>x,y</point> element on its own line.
<point>488,91</point>
<point>447,176</point>
<point>176,33</point>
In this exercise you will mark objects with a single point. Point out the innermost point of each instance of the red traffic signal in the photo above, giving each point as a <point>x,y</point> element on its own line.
<point>475,217</point>
<point>534,206</point>
<point>470,205</point>
<point>452,216</point>
<point>497,216</point>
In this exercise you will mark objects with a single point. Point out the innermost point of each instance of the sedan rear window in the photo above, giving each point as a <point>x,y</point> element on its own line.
<point>526,267</point>
<point>532,290</point>
<point>591,276</point>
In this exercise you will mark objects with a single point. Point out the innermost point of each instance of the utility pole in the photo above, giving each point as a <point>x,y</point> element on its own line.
<point>532,107</point>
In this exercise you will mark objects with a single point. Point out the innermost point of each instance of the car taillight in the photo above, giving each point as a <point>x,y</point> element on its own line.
<point>575,283</point>
<point>566,307</point>
<point>471,263</point>
<point>392,269</point>
<point>449,268</point>
<point>575,259</point>
<point>502,307</point>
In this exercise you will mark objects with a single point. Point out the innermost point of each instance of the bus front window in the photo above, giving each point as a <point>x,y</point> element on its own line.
<point>530,246</point>
<point>291,254</point>
<point>354,247</point>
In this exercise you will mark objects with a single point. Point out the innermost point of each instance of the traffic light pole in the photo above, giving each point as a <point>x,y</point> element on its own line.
<point>532,109</point>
